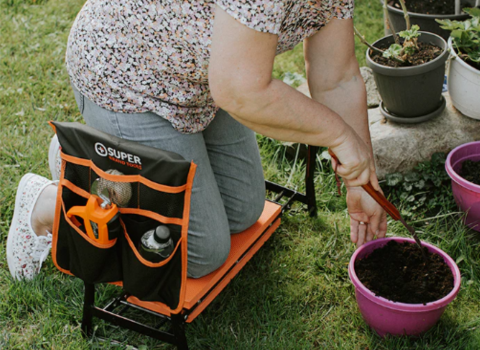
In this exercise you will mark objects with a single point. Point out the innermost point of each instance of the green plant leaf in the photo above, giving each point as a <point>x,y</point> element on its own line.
<point>467,24</point>
<point>426,176</point>
<point>439,158</point>
<point>466,35</point>
<point>410,34</point>
<point>474,57</point>
<point>420,184</point>
<point>393,179</point>
<point>474,12</point>
<point>456,34</point>
<point>393,51</point>
<point>450,25</point>
<point>412,177</point>
<point>475,23</point>
<point>444,22</point>
<point>409,50</point>
<point>425,189</point>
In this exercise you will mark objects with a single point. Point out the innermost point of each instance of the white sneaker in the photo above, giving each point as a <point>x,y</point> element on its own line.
<point>54,160</point>
<point>26,251</point>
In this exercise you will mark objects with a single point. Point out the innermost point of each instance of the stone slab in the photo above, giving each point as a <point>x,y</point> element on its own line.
<point>400,147</point>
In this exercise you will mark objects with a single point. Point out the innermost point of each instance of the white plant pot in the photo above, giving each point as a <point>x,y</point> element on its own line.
<point>463,85</point>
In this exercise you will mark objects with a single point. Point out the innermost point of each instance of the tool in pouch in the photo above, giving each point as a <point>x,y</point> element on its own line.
<point>101,218</point>
<point>385,204</point>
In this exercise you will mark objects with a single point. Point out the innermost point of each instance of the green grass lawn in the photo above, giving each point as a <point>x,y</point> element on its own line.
<point>294,294</point>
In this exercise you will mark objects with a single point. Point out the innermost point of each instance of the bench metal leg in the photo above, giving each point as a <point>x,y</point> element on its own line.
<point>88,303</point>
<point>176,337</point>
<point>178,328</point>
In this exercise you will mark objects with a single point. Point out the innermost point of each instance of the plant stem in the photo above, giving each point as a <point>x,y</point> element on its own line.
<point>362,39</point>
<point>405,14</point>
<point>388,23</point>
<point>373,48</point>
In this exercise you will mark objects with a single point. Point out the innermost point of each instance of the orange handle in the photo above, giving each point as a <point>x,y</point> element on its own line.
<point>378,196</point>
<point>92,212</point>
<point>384,203</point>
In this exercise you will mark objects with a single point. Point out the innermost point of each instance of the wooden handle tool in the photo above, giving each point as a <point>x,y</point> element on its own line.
<point>386,205</point>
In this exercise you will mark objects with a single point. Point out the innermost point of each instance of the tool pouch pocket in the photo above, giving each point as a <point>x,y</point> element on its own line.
<point>159,187</point>
<point>147,280</point>
<point>79,254</point>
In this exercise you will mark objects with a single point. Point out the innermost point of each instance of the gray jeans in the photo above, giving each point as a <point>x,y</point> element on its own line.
<point>228,191</point>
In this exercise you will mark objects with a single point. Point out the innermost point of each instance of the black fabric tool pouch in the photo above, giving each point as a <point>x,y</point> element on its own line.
<point>148,187</point>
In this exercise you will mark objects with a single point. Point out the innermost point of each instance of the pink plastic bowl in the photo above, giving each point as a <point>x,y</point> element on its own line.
<point>386,316</point>
<point>466,193</point>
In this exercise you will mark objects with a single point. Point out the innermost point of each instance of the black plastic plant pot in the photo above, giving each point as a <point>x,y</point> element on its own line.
<point>411,94</point>
<point>424,21</point>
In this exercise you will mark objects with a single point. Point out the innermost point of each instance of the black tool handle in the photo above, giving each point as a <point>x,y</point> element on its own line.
<point>114,226</point>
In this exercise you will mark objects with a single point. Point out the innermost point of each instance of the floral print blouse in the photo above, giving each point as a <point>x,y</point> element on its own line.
<point>135,56</point>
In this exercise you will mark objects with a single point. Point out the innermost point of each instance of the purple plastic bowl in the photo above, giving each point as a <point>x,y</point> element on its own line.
<point>388,317</point>
<point>466,193</point>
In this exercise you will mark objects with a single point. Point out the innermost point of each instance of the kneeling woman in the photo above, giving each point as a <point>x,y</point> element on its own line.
<point>195,78</point>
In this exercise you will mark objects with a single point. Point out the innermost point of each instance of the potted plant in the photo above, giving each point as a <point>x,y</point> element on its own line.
<point>424,13</point>
<point>463,167</point>
<point>409,72</point>
<point>464,69</point>
<point>402,285</point>
<point>387,316</point>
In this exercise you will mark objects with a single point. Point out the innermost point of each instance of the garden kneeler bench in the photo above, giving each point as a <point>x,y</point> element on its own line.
<point>159,189</point>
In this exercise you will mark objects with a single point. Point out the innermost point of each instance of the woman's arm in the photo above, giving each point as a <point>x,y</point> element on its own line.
<point>334,80</point>
<point>334,77</point>
<point>240,80</point>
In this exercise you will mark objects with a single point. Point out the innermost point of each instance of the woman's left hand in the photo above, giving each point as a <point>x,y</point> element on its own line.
<point>367,218</point>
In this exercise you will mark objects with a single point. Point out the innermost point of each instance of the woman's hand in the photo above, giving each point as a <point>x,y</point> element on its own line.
<point>367,218</point>
<point>356,165</point>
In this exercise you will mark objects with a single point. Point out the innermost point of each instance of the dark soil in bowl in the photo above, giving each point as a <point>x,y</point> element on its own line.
<point>427,53</point>
<point>397,272</point>
<point>470,63</point>
<point>427,7</point>
<point>473,64</point>
<point>470,171</point>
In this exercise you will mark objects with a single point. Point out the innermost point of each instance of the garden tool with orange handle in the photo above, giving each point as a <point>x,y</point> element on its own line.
<point>384,203</point>
<point>101,219</point>
<point>100,215</point>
